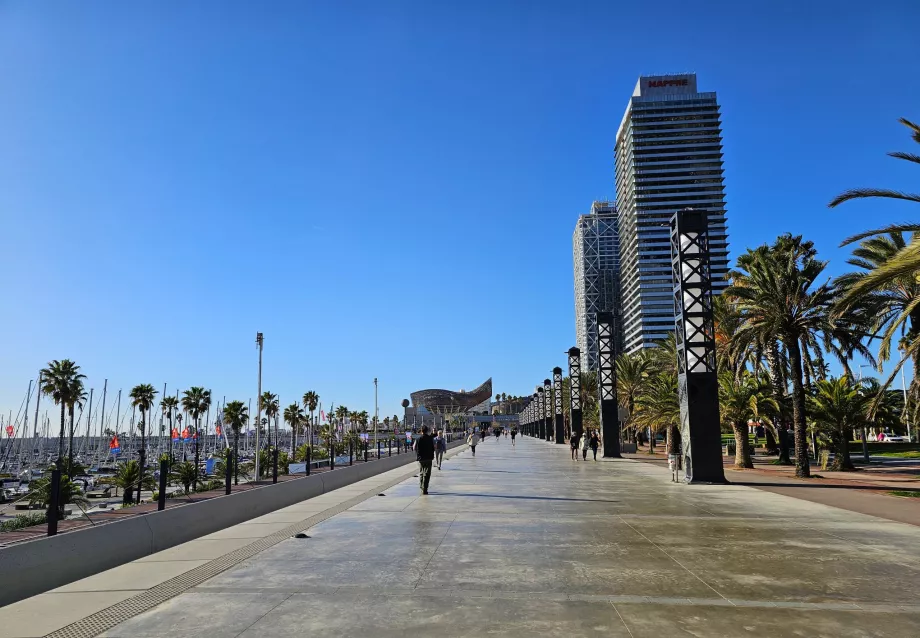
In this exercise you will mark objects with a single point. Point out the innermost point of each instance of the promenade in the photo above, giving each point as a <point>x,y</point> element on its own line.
<point>514,542</point>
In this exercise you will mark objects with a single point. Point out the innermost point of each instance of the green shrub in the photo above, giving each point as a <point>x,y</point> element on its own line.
<point>21,521</point>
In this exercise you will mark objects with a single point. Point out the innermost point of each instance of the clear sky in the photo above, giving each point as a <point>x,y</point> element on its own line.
<point>389,189</point>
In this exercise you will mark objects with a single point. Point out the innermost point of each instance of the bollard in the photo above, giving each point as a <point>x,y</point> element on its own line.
<point>398,447</point>
<point>164,473</point>
<point>389,447</point>
<point>275,465</point>
<point>228,471</point>
<point>53,506</point>
<point>378,449</point>
<point>365,451</point>
<point>308,455</point>
<point>351,452</point>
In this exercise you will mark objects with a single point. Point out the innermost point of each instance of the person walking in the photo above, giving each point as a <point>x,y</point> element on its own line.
<point>440,447</point>
<point>513,434</point>
<point>575,440</point>
<point>595,443</point>
<point>585,443</point>
<point>473,441</point>
<point>424,453</point>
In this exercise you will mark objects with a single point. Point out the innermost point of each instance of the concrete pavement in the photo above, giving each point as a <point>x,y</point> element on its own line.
<point>516,542</point>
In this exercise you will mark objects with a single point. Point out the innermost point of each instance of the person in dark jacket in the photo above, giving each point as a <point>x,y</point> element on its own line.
<point>424,452</point>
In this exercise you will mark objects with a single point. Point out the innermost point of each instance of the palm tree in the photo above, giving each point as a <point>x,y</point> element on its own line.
<point>310,401</point>
<point>268,403</point>
<point>632,372</point>
<point>77,398</point>
<point>294,416</point>
<point>59,381</point>
<point>236,414</point>
<point>69,492</point>
<point>741,398</point>
<point>658,407</point>
<point>776,293</point>
<point>142,397</point>
<point>196,402</point>
<point>169,405</point>
<point>839,406</point>
<point>186,474</point>
<point>127,475</point>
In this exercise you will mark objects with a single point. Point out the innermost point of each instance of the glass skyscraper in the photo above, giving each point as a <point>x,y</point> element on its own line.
<point>668,156</point>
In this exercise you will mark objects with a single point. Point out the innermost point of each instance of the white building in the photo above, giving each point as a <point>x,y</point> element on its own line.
<point>668,157</point>
<point>596,257</point>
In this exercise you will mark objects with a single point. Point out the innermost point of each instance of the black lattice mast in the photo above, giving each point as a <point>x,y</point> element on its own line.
<point>698,388</point>
<point>548,410</point>
<point>557,405</point>
<point>541,421</point>
<point>607,383</point>
<point>535,410</point>
<point>575,391</point>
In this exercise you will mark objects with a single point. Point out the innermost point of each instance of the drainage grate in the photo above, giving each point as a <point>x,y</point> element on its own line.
<point>104,620</point>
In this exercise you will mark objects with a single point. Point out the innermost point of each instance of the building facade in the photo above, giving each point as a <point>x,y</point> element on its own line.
<point>596,257</point>
<point>668,156</point>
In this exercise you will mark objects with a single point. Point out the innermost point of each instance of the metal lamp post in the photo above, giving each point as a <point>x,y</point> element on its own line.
<point>548,408</point>
<point>541,432</point>
<point>607,383</point>
<point>575,391</point>
<point>259,343</point>
<point>698,390</point>
<point>557,405</point>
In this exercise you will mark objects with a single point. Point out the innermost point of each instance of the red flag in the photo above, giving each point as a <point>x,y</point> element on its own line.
<point>185,434</point>
<point>114,447</point>
<point>9,431</point>
<point>219,430</point>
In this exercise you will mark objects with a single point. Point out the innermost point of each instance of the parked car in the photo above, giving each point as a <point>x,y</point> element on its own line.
<point>894,438</point>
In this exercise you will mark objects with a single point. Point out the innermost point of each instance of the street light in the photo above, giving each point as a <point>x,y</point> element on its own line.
<point>259,343</point>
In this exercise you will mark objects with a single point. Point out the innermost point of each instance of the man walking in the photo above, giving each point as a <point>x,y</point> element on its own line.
<point>424,452</point>
<point>473,440</point>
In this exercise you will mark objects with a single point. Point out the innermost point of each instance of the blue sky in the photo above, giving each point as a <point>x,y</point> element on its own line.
<point>389,189</point>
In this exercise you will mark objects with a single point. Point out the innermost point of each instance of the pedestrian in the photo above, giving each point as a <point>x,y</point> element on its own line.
<point>473,441</point>
<point>440,447</point>
<point>585,444</point>
<point>513,434</point>
<point>424,453</point>
<point>595,443</point>
<point>574,440</point>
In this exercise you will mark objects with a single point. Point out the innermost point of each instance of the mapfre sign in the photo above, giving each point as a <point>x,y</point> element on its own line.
<point>655,84</point>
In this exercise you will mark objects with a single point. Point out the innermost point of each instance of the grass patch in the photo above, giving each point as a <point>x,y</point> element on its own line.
<point>907,493</point>
<point>911,454</point>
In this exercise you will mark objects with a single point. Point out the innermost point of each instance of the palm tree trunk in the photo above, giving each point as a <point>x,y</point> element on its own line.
<point>70,444</point>
<point>776,382</point>
<point>842,461</point>
<point>742,446</point>
<point>673,439</point>
<point>61,438</point>
<point>197,436</point>
<point>802,465</point>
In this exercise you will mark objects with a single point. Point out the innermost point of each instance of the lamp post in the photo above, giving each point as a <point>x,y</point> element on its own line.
<point>607,383</point>
<point>557,405</point>
<point>698,388</point>
<point>548,408</point>
<point>575,391</point>
<point>541,432</point>
<point>259,343</point>
<point>376,415</point>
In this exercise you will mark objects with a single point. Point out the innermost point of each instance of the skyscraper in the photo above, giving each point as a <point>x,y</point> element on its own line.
<point>668,157</point>
<point>596,256</point>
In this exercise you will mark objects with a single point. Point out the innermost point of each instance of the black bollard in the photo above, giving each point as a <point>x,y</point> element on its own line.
<point>378,449</point>
<point>228,471</point>
<point>275,465</point>
<point>309,462</point>
<point>164,473</point>
<point>351,452</point>
<point>54,506</point>
<point>365,451</point>
<point>389,447</point>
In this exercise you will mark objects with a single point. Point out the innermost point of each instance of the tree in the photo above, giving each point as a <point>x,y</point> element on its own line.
<point>127,476</point>
<point>270,406</point>
<point>838,406</point>
<point>658,407</point>
<point>168,406</point>
<point>294,416</point>
<point>60,381</point>
<point>196,402</point>
<point>310,402</point>
<point>236,415</point>
<point>777,296</point>
<point>741,398</point>
<point>632,373</point>
<point>70,492</point>
<point>589,401</point>
<point>142,397</point>
<point>186,474</point>
<point>77,398</point>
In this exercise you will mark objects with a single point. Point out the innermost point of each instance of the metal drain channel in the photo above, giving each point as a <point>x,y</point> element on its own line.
<point>107,618</point>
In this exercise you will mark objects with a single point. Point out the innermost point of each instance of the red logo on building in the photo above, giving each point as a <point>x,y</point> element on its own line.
<point>663,83</point>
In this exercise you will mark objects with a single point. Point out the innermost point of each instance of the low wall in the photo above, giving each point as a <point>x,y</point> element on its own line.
<point>37,566</point>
